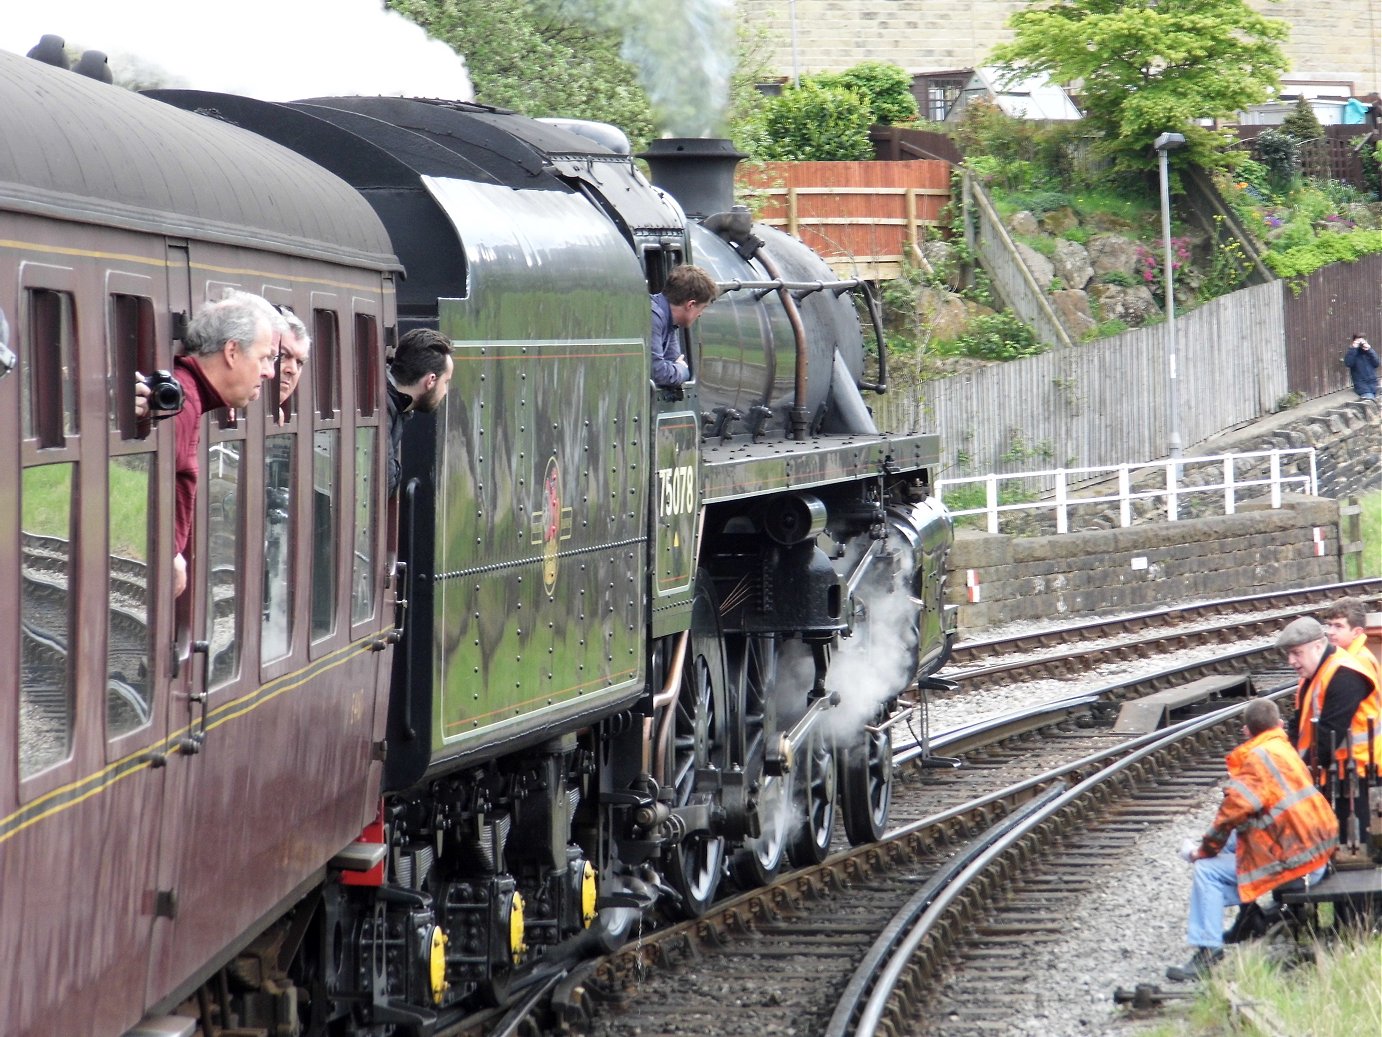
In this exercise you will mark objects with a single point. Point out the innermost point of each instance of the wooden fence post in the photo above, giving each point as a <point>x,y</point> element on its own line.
<point>1351,539</point>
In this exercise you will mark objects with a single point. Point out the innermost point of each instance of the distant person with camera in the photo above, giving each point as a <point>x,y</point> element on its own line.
<point>1362,363</point>
<point>229,355</point>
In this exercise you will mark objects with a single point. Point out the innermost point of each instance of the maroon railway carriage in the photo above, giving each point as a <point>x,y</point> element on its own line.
<point>150,752</point>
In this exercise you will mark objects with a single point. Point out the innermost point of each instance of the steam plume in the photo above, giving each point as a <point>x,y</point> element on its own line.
<point>684,54</point>
<point>268,49</point>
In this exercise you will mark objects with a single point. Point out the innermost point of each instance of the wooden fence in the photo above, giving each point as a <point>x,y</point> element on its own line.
<point>1106,402</point>
<point>894,143</point>
<point>1339,156</point>
<point>861,216</point>
<point>1011,279</point>
<point>1103,402</point>
<point>1321,315</point>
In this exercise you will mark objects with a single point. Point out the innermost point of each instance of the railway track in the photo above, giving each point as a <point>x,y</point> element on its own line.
<point>802,955</point>
<point>825,950</point>
<point>1222,621</point>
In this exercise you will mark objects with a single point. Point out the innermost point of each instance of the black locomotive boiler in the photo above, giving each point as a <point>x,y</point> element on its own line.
<point>610,650</point>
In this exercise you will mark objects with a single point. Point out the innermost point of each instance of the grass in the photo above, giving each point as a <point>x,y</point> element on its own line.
<point>1371,561</point>
<point>1339,995</point>
<point>47,494</point>
<point>1138,210</point>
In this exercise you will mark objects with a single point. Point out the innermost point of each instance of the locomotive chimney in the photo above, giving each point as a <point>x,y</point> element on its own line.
<point>697,171</point>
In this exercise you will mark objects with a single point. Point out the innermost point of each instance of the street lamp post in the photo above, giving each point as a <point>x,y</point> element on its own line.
<point>1170,142</point>
<point>792,14</point>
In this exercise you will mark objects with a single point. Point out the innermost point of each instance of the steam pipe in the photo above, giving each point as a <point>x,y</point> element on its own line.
<point>663,700</point>
<point>865,564</point>
<point>803,288</point>
<point>799,417</point>
<point>876,318</point>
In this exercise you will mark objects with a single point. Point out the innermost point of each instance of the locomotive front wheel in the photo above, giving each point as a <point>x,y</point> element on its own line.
<point>695,865</point>
<point>814,804</point>
<point>754,659</point>
<point>867,777</point>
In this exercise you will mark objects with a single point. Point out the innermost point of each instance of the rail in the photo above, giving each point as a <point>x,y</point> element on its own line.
<point>1175,485</point>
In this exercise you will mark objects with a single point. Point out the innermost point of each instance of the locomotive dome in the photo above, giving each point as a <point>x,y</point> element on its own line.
<point>172,171</point>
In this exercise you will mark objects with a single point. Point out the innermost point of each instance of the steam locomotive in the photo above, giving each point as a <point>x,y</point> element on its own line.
<point>610,650</point>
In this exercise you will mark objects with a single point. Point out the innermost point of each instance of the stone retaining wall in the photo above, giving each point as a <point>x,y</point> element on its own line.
<point>1348,444</point>
<point>1000,579</point>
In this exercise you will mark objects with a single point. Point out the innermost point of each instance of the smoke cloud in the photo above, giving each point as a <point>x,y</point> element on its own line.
<point>684,54</point>
<point>270,49</point>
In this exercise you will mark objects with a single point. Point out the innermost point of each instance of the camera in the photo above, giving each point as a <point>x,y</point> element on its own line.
<point>165,393</point>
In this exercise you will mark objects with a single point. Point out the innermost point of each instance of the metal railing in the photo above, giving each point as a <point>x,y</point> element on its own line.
<point>1181,477</point>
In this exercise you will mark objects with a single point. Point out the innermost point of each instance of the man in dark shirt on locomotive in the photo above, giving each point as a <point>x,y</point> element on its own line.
<point>685,296</point>
<point>419,376</point>
<point>230,348</point>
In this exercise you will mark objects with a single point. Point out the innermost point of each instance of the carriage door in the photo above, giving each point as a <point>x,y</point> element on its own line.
<point>173,633</point>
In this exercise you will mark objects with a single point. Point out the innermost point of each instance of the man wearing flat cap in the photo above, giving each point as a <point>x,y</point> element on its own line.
<point>1338,721</point>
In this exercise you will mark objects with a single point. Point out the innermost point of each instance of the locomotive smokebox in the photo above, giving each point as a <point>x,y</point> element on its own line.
<point>697,171</point>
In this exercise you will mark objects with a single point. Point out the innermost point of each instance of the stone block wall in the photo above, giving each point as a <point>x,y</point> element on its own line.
<point>1348,445</point>
<point>1336,40</point>
<point>1046,578</point>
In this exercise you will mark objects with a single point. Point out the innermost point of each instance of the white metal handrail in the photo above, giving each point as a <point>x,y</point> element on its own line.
<point>1176,486</point>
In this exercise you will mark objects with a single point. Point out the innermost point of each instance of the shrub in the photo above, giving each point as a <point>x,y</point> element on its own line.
<point>813,123</point>
<point>886,87</point>
<point>1278,153</point>
<point>1117,277</point>
<point>1039,203</point>
<point>1108,328</point>
<point>997,336</point>
<point>1300,260</point>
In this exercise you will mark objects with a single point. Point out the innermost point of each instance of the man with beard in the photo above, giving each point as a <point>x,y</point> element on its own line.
<point>419,375</point>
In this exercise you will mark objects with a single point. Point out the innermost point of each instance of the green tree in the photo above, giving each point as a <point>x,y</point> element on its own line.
<point>887,87</point>
<point>530,56</point>
<point>811,123</point>
<point>1146,66</point>
<point>1303,126</point>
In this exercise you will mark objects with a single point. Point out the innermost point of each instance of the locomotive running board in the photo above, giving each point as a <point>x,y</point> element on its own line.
<point>733,470</point>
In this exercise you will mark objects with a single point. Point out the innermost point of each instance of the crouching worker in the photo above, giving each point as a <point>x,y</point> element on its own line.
<point>1272,828</point>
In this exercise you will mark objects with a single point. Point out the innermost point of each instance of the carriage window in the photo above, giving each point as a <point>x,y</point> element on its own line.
<point>367,361</point>
<point>325,504</point>
<point>278,547</point>
<point>362,587</point>
<point>128,688</point>
<point>326,471</point>
<point>131,350</point>
<point>45,616</point>
<point>224,585</point>
<point>326,362</point>
<point>49,409</point>
<point>366,365</point>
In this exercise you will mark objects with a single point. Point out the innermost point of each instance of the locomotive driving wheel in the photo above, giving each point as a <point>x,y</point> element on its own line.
<point>867,777</point>
<point>813,793</point>
<point>753,658</point>
<point>696,863</point>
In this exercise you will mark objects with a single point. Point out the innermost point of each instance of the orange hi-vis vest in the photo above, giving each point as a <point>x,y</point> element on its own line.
<point>1286,829</point>
<point>1310,699</point>
<point>1359,650</point>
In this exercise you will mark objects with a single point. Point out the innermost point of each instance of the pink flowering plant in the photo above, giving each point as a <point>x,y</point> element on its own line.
<point>1149,261</point>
